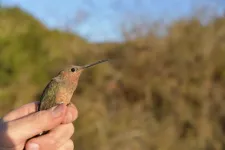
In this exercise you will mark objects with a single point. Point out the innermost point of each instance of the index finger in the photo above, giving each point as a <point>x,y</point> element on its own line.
<point>71,114</point>
<point>21,111</point>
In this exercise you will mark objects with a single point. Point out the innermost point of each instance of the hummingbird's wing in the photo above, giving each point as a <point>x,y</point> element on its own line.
<point>48,96</point>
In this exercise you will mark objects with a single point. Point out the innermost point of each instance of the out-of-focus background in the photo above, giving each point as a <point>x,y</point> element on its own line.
<point>164,88</point>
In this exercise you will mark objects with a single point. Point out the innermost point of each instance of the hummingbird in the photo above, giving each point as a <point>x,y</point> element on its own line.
<point>61,88</point>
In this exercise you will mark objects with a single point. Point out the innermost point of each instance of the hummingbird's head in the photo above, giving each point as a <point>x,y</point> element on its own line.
<point>71,73</point>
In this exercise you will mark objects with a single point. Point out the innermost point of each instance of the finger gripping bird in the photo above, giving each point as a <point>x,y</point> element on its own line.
<point>61,88</point>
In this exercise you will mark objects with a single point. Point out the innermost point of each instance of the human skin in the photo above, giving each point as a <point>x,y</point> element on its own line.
<point>19,127</point>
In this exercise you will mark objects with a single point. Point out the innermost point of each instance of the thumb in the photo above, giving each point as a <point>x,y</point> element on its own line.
<point>33,124</point>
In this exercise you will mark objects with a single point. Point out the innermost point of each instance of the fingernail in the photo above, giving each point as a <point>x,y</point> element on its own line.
<point>33,146</point>
<point>69,117</point>
<point>57,111</point>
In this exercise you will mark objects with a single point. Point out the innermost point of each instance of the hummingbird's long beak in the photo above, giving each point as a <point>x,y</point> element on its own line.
<point>93,64</point>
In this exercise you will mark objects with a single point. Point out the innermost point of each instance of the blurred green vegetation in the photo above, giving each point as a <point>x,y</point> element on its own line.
<point>158,92</point>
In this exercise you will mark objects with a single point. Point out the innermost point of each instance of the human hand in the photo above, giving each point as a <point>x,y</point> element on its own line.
<point>18,128</point>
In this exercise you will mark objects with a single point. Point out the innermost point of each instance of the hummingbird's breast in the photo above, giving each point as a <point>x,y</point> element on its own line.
<point>64,95</point>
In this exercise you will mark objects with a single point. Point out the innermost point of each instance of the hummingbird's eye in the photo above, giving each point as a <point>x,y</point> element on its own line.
<point>73,69</point>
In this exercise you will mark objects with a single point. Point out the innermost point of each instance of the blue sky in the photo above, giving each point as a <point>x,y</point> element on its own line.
<point>103,18</point>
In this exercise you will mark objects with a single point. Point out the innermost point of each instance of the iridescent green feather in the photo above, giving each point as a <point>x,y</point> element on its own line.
<point>48,96</point>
